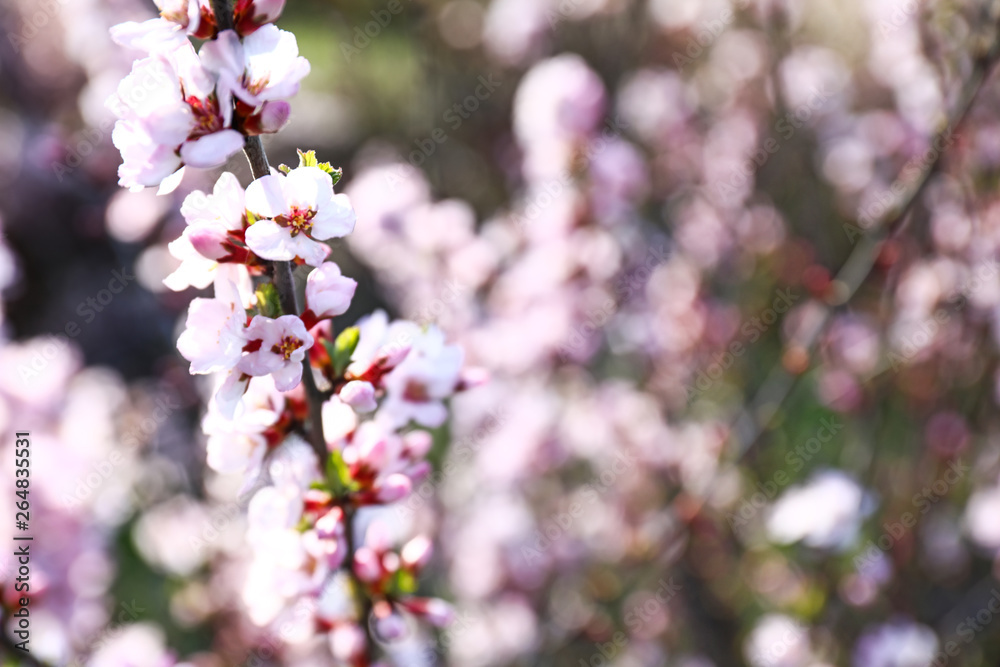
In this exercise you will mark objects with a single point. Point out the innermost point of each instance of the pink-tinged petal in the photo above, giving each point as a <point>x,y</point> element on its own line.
<point>335,219</point>
<point>171,182</point>
<point>288,376</point>
<point>211,150</point>
<point>395,487</point>
<point>208,240</point>
<point>265,198</point>
<point>230,393</point>
<point>307,187</point>
<point>359,395</point>
<point>213,340</point>
<point>312,252</point>
<point>339,421</point>
<point>417,552</point>
<point>223,54</point>
<point>270,119</point>
<point>154,35</point>
<point>270,240</point>
<point>328,293</point>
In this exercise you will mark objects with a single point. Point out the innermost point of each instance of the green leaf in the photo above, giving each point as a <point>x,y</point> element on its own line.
<point>251,218</point>
<point>344,348</point>
<point>268,302</point>
<point>308,159</point>
<point>404,582</point>
<point>337,474</point>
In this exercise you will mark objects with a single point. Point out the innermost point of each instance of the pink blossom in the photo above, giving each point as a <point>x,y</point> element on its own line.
<point>294,213</point>
<point>214,337</point>
<point>417,386</point>
<point>278,348</point>
<point>265,66</point>
<point>169,116</point>
<point>359,395</point>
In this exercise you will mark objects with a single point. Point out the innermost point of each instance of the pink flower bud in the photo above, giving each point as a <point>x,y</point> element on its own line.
<point>347,642</point>
<point>331,524</point>
<point>366,565</point>
<point>359,395</point>
<point>395,487</point>
<point>418,444</point>
<point>328,293</point>
<point>208,240</point>
<point>390,627</point>
<point>417,552</point>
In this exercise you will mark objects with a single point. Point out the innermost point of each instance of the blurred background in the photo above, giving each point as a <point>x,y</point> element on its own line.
<point>732,267</point>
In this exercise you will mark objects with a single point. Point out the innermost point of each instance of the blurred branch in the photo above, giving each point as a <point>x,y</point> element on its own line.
<point>22,657</point>
<point>779,383</point>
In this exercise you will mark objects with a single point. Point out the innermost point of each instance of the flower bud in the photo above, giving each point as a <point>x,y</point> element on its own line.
<point>366,565</point>
<point>416,553</point>
<point>347,642</point>
<point>395,487</point>
<point>359,395</point>
<point>328,293</point>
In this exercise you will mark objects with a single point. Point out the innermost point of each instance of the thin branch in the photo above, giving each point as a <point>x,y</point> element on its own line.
<point>223,10</point>
<point>779,383</point>
<point>284,282</point>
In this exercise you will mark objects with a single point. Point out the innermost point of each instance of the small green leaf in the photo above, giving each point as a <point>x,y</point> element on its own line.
<point>344,348</point>
<point>251,218</point>
<point>404,582</point>
<point>308,159</point>
<point>268,302</point>
<point>284,168</point>
<point>337,474</point>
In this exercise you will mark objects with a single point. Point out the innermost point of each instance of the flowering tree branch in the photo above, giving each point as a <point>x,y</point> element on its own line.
<point>263,341</point>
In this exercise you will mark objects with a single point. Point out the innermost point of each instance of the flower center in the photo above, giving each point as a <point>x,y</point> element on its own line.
<point>286,347</point>
<point>206,116</point>
<point>297,219</point>
<point>416,392</point>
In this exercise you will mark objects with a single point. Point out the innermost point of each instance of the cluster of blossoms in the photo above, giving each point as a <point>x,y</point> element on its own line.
<point>181,107</point>
<point>328,425</point>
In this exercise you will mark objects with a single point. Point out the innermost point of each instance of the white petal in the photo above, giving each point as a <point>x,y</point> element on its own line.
<point>265,198</point>
<point>212,149</point>
<point>270,240</point>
